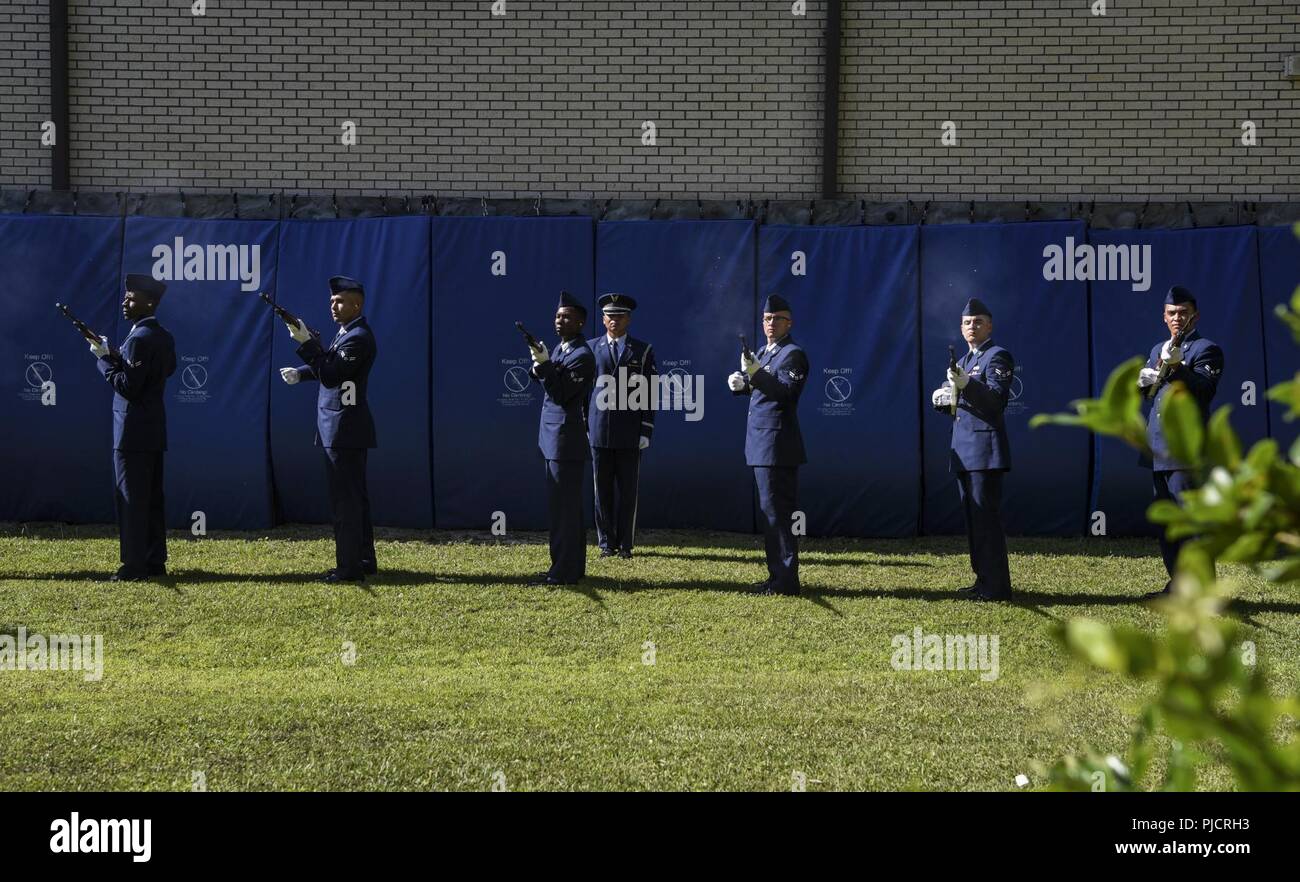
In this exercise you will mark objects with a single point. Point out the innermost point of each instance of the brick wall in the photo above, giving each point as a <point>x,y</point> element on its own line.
<point>24,92</point>
<point>448,98</point>
<point>1050,101</point>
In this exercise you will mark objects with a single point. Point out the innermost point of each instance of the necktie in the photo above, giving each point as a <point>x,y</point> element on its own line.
<point>618,350</point>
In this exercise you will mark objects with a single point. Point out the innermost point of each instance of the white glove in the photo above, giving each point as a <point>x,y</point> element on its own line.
<point>539,354</point>
<point>1148,377</point>
<point>100,349</point>
<point>290,375</point>
<point>1171,354</point>
<point>748,363</point>
<point>736,382</point>
<point>942,397</point>
<point>645,442</point>
<point>299,332</point>
<point>958,377</point>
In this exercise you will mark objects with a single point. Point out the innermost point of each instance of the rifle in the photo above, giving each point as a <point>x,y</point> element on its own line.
<point>952,387</point>
<point>83,328</point>
<point>285,315</point>
<point>532,341</point>
<point>1163,370</point>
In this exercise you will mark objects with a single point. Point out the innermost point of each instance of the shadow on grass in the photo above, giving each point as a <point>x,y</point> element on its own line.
<point>811,555</point>
<point>712,543</point>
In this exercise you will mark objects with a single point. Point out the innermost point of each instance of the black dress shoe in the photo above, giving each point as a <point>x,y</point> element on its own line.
<point>333,577</point>
<point>761,587</point>
<point>968,590</point>
<point>607,552</point>
<point>988,598</point>
<point>625,553</point>
<point>125,575</point>
<point>369,567</point>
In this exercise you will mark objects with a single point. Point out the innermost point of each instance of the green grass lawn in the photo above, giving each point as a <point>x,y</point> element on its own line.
<point>234,665</point>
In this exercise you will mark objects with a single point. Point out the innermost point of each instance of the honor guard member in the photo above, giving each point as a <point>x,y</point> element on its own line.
<point>1197,363</point>
<point>773,379</point>
<point>617,430</point>
<point>345,430</point>
<point>567,373</point>
<point>980,385</point>
<point>138,372</point>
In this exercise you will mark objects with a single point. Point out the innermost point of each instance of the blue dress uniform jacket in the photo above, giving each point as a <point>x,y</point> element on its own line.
<point>774,449</point>
<point>614,428</point>
<point>772,436</point>
<point>566,380</point>
<point>562,437</point>
<point>138,375</point>
<point>1199,371</point>
<point>147,359</point>
<point>349,358</point>
<point>979,433</point>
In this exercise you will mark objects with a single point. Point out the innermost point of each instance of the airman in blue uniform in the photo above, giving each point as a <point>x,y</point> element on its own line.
<point>567,374</point>
<point>1198,365</point>
<point>980,385</point>
<point>138,372</point>
<point>773,379</point>
<point>345,428</point>
<point>617,428</point>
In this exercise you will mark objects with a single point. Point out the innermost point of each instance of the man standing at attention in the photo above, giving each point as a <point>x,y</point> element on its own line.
<point>773,380</point>
<point>345,429</point>
<point>618,434</point>
<point>979,387</point>
<point>1187,358</point>
<point>138,373</point>
<point>567,373</point>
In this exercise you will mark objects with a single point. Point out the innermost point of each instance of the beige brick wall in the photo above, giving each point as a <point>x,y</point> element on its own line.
<point>24,92</point>
<point>1050,101</point>
<point>447,98</point>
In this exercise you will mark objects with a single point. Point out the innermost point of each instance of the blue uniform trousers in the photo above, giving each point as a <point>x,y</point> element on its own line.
<point>141,527</point>
<point>778,489</point>
<point>981,499</point>
<point>568,533</point>
<point>354,536</point>
<point>616,472</point>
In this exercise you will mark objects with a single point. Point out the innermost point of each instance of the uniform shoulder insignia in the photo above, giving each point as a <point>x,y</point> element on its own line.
<point>1001,373</point>
<point>795,375</point>
<point>136,363</point>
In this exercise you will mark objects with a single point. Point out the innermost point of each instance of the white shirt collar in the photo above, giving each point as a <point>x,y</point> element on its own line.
<point>613,340</point>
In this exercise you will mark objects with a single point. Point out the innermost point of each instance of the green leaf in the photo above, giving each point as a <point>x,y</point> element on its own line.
<point>1096,643</point>
<point>1180,419</point>
<point>1222,446</point>
<point>1116,414</point>
<point>1194,561</point>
